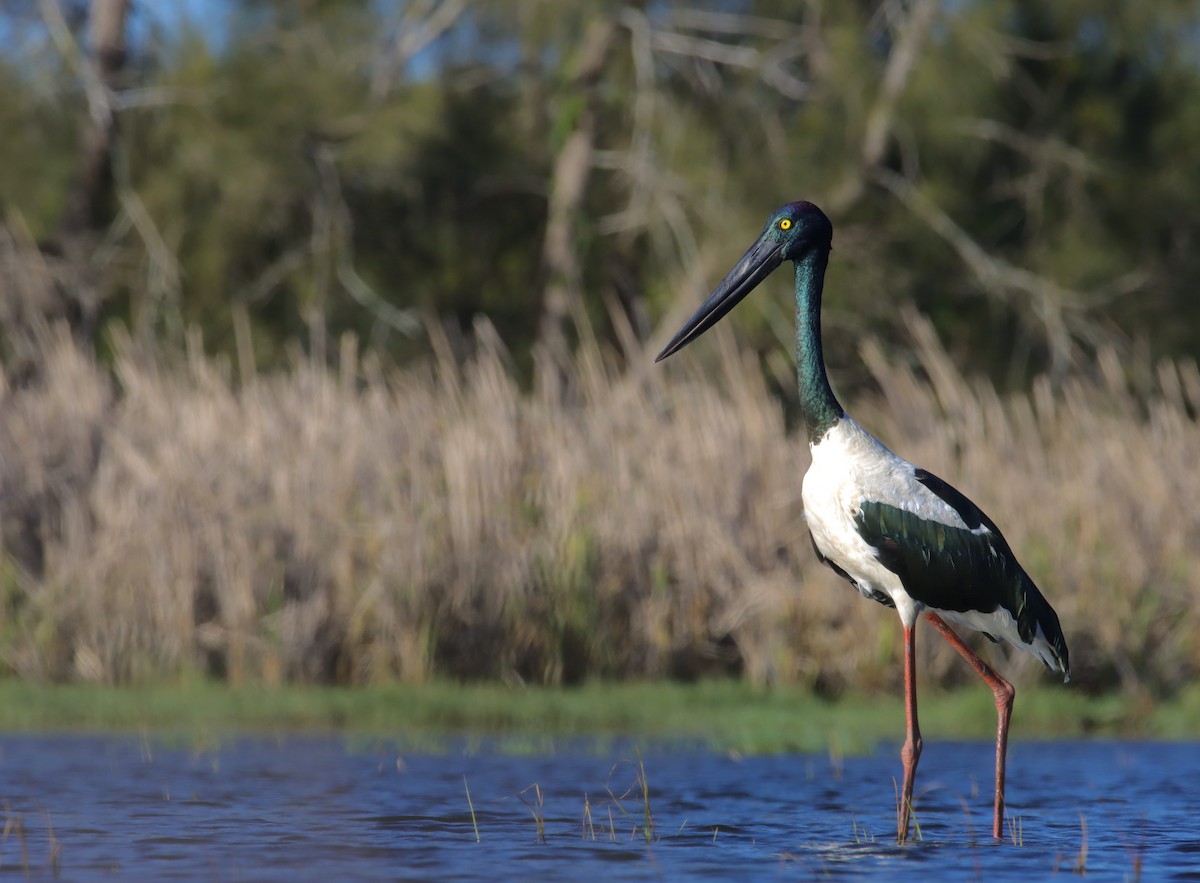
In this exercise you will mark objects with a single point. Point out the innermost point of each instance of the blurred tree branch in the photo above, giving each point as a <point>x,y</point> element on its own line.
<point>333,243</point>
<point>1065,315</point>
<point>911,31</point>
<point>683,31</point>
<point>419,25</point>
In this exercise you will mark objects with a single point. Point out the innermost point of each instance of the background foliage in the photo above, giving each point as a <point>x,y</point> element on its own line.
<point>221,219</point>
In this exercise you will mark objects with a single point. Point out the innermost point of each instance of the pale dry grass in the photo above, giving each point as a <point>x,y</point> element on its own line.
<point>363,524</point>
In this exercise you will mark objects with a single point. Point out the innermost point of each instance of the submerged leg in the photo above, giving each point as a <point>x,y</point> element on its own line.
<point>910,753</point>
<point>1004,693</point>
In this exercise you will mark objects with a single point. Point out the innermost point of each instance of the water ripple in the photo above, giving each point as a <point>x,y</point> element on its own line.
<point>90,807</point>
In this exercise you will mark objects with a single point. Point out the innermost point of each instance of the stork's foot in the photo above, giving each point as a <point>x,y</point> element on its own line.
<point>910,754</point>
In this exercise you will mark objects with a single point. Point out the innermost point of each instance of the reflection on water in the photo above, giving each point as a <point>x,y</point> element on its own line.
<point>88,807</point>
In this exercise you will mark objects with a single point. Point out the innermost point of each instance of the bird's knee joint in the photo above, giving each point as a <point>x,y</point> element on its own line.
<point>910,752</point>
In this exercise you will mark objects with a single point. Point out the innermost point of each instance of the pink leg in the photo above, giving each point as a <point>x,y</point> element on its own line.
<point>1004,693</point>
<point>911,752</point>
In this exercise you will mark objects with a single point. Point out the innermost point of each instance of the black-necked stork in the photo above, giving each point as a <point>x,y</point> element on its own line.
<point>900,535</point>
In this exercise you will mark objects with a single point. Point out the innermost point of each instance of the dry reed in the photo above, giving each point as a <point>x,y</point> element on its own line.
<point>359,525</point>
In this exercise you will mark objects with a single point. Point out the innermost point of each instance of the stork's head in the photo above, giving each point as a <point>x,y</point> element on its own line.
<point>792,233</point>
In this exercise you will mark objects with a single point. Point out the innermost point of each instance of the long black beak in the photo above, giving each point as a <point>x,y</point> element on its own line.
<point>755,266</point>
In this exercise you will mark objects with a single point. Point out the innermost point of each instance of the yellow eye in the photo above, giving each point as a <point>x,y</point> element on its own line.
<point>785,224</point>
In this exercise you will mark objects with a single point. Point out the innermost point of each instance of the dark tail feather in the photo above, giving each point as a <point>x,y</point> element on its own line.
<point>1037,619</point>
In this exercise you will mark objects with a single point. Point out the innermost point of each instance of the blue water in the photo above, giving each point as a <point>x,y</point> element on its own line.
<point>326,808</point>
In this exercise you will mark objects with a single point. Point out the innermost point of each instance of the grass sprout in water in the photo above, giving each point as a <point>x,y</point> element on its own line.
<point>536,808</point>
<point>474,822</point>
<point>1016,831</point>
<point>861,835</point>
<point>586,827</point>
<point>1080,866</point>
<point>15,827</point>
<point>640,787</point>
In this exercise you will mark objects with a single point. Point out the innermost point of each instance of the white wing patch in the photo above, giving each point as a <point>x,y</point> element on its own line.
<point>999,624</point>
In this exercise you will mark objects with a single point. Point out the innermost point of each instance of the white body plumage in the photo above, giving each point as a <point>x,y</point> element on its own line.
<point>849,467</point>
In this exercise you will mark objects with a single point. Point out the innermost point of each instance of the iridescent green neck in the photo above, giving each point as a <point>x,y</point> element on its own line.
<point>817,402</point>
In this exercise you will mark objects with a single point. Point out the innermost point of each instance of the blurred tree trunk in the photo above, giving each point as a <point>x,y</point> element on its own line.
<point>562,298</point>
<point>90,202</point>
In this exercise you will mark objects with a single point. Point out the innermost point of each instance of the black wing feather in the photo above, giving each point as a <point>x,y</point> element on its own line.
<point>956,568</point>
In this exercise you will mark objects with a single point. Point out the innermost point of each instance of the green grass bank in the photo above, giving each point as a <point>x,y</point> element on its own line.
<point>726,715</point>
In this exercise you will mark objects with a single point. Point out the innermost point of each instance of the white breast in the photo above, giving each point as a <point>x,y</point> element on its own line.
<point>849,465</point>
